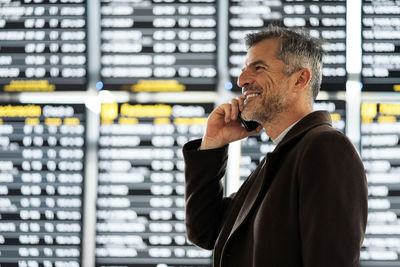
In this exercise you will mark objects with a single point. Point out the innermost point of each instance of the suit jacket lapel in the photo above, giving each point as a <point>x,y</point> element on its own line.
<point>257,190</point>
<point>238,209</point>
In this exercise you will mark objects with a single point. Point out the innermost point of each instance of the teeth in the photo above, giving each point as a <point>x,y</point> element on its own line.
<point>252,95</point>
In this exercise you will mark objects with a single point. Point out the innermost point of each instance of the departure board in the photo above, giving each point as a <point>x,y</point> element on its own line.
<point>140,204</point>
<point>381,45</point>
<point>246,17</point>
<point>254,148</point>
<point>380,151</point>
<point>42,45</point>
<point>41,178</point>
<point>159,45</point>
<point>324,19</point>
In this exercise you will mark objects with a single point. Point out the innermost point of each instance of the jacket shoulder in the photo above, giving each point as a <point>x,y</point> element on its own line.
<point>327,135</point>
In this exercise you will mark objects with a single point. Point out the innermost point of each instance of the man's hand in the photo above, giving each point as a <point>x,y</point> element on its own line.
<point>224,127</point>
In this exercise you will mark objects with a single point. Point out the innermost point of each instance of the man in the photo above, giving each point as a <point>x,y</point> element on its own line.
<point>306,203</point>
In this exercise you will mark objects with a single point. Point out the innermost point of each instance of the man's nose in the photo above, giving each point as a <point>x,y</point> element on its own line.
<point>244,79</point>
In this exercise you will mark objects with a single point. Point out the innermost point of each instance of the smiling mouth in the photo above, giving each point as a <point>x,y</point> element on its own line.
<point>251,95</point>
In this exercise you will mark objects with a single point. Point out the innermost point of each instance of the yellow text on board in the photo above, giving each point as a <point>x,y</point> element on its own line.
<point>146,111</point>
<point>20,111</point>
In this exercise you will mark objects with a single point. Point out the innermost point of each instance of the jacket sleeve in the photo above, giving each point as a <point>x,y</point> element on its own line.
<point>333,202</point>
<point>205,204</point>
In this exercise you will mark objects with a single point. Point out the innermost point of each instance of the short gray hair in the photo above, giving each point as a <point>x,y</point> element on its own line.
<point>297,50</point>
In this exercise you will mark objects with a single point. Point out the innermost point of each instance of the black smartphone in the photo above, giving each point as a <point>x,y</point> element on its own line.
<point>248,125</point>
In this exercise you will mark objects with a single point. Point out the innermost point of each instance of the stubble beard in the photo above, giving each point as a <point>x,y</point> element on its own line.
<point>269,109</point>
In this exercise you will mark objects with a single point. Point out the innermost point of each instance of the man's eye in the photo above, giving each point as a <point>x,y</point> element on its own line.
<point>259,67</point>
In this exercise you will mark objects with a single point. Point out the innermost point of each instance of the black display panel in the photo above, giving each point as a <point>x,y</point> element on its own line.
<point>380,151</point>
<point>324,19</point>
<point>254,148</point>
<point>42,45</point>
<point>140,203</point>
<point>41,184</point>
<point>381,45</point>
<point>246,17</point>
<point>159,45</point>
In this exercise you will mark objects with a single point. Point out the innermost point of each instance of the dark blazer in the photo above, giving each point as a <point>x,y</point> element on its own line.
<point>304,205</point>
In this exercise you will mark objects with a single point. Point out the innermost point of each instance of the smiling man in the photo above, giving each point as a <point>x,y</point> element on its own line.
<point>305,205</point>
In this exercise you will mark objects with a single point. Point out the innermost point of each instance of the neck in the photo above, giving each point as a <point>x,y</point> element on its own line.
<point>275,127</point>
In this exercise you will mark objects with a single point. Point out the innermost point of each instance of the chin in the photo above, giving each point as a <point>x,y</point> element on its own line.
<point>248,115</point>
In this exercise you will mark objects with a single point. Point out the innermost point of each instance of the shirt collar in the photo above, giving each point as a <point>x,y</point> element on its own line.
<point>282,135</point>
<point>312,120</point>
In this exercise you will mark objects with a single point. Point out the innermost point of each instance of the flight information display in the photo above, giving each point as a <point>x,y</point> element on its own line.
<point>254,148</point>
<point>381,45</point>
<point>159,45</point>
<point>380,151</point>
<point>140,204</point>
<point>324,19</point>
<point>41,183</point>
<point>43,45</point>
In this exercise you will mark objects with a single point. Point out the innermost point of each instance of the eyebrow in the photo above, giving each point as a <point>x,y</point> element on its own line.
<point>258,62</point>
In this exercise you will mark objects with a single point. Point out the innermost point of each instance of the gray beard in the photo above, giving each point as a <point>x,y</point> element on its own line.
<point>271,110</point>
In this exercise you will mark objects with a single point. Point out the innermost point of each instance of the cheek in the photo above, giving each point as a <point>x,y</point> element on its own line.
<point>269,81</point>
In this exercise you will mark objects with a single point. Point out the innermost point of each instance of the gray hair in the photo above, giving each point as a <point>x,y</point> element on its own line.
<point>297,50</point>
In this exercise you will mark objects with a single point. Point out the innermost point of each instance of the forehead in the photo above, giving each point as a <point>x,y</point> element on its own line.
<point>264,50</point>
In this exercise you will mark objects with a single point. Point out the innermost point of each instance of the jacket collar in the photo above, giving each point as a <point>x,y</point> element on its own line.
<point>311,120</point>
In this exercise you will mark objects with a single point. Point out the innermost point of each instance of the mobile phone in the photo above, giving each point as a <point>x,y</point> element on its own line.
<point>248,125</point>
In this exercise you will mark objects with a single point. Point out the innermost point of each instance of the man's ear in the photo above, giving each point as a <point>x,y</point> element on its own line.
<point>302,77</point>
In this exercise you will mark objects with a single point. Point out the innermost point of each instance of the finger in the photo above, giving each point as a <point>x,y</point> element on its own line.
<point>235,108</point>
<point>258,129</point>
<point>240,99</point>
<point>227,112</point>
